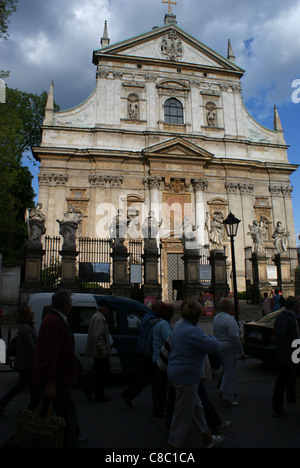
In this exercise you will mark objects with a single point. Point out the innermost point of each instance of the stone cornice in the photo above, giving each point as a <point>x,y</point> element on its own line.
<point>164,134</point>
<point>137,157</point>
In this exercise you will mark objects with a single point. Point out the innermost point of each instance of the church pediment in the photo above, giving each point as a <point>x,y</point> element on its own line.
<point>168,43</point>
<point>177,148</point>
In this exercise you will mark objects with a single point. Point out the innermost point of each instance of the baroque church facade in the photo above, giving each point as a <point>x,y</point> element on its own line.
<point>166,130</point>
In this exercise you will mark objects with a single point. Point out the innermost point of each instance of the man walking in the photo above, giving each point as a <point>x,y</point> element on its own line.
<point>55,368</point>
<point>98,346</point>
<point>286,331</point>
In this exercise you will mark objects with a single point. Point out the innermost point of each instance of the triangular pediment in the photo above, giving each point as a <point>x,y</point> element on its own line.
<point>169,43</point>
<point>177,148</point>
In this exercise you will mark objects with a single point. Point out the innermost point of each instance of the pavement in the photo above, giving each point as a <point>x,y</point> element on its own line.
<point>112,426</point>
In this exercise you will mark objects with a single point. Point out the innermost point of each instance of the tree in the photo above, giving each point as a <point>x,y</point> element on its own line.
<point>20,129</point>
<point>7,8</point>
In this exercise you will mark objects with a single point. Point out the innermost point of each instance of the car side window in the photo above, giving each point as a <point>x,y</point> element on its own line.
<point>79,319</point>
<point>134,318</point>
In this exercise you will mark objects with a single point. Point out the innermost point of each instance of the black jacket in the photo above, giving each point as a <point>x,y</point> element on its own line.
<point>287,327</point>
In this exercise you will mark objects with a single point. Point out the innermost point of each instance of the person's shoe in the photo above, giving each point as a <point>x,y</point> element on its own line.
<point>231,403</point>
<point>215,440</point>
<point>223,425</point>
<point>127,400</point>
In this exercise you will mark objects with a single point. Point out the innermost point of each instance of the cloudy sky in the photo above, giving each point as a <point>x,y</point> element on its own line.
<point>54,40</point>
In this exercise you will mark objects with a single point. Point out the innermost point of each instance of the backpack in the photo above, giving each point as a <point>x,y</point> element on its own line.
<point>149,341</point>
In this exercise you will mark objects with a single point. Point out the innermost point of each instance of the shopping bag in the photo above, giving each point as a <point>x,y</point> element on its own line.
<point>163,358</point>
<point>35,430</point>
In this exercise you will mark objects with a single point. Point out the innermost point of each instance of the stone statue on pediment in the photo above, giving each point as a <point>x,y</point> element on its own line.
<point>256,232</point>
<point>68,227</point>
<point>118,230</point>
<point>189,238</point>
<point>280,238</point>
<point>35,220</point>
<point>216,231</point>
<point>150,231</point>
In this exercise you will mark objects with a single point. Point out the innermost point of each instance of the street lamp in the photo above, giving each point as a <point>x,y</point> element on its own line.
<point>232,224</point>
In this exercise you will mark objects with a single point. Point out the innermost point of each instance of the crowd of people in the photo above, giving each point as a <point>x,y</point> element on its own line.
<point>48,363</point>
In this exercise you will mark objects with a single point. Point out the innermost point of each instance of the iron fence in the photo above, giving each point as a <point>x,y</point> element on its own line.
<point>51,264</point>
<point>94,263</point>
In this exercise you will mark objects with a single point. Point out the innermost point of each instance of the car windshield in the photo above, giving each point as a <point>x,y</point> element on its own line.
<point>270,318</point>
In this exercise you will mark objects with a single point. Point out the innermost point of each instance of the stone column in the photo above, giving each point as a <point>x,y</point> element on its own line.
<point>219,284</point>
<point>260,276</point>
<point>68,267</point>
<point>199,187</point>
<point>191,287</point>
<point>118,230</point>
<point>285,284</point>
<point>153,184</point>
<point>151,257</point>
<point>33,267</point>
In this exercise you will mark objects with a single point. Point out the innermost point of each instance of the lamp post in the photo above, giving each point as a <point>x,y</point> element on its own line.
<point>232,224</point>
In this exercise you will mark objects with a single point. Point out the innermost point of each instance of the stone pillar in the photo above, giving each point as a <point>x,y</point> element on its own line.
<point>151,286</point>
<point>68,267</point>
<point>199,187</point>
<point>285,283</point>
<point>121,286</point>
<point>261,283</point>
<point>219,284</point>
<point>33,266</point>
<point>191,287</point>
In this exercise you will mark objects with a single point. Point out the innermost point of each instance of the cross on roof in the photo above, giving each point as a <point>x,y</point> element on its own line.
<point>170,3</point>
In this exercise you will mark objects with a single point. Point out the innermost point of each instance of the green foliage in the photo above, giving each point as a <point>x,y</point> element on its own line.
<point>20,129</point>
<point>7,8</point>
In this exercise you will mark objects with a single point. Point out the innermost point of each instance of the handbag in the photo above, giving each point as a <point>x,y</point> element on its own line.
<point>34,430</point>
<point>163,357</point>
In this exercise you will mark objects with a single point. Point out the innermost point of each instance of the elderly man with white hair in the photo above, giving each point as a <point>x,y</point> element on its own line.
<point>227,333</point>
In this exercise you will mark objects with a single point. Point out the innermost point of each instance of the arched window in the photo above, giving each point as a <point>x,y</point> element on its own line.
<point>173,112</point>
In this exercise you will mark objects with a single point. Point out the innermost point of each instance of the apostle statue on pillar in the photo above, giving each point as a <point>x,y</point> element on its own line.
<point>257,234</point>
<point>150,231</point>
<point>280,238</point>
<point>118,230</point>
<point>189,240</point>
<point>68,227</point>
<point>35,220</point>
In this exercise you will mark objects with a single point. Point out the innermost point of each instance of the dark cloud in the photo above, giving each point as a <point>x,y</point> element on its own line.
<point>55,39</point>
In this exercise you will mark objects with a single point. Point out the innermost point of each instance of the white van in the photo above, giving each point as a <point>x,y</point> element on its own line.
<point>123,320</point>
<point>85,304</point>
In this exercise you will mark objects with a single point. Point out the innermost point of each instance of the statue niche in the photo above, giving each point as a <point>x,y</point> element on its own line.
<point>211,114</point>
<point>133,107</point>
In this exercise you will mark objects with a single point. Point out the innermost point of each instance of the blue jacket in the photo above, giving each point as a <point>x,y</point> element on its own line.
<point>189,346</point>
<point>145,327</point>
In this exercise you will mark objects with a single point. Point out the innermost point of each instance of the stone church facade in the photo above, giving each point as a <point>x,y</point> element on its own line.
<point>166,130</point>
